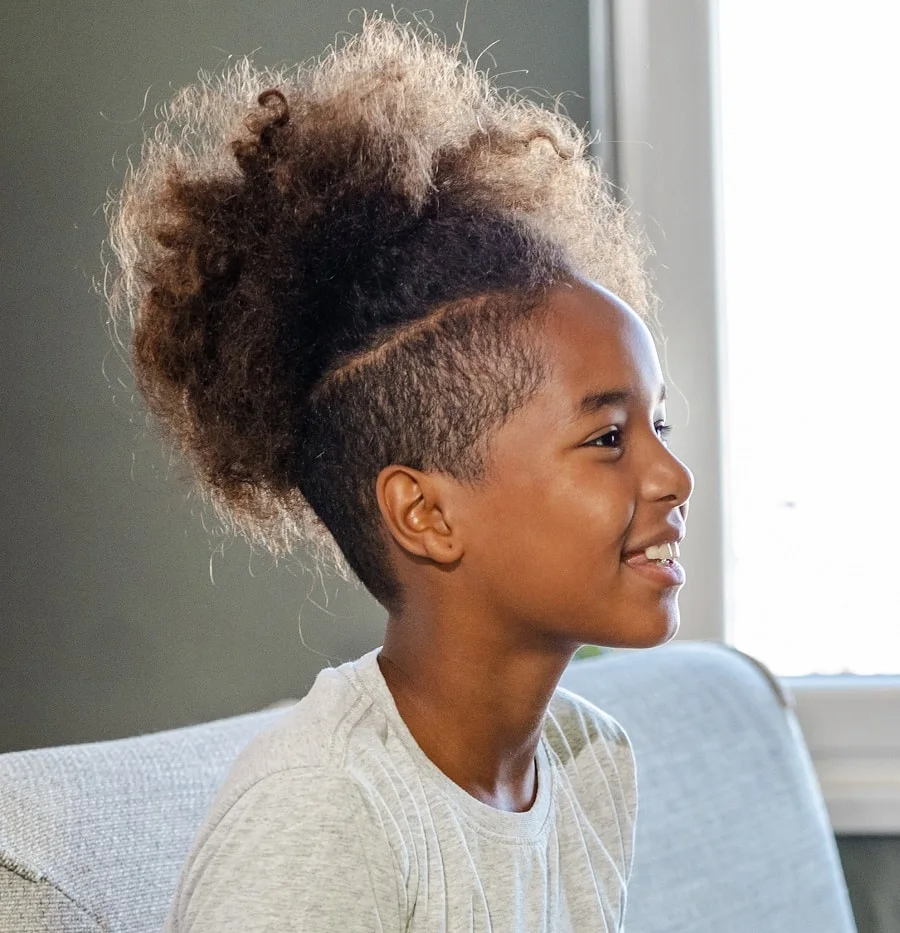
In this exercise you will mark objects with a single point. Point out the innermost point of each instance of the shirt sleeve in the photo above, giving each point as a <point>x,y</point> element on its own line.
<point>297,853</point>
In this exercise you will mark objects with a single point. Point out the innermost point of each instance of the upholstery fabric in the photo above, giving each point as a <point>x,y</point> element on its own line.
<point>92,836</point>
<point>732,831</point>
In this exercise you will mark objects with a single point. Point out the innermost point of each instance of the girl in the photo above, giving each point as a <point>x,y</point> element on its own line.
<point>379,303</point>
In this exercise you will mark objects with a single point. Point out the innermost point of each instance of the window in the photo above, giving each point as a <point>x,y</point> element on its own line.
<point>810,201</point>
<point>720,159</point>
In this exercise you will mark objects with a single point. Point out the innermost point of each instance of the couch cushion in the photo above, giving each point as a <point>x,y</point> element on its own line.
<point>31,903</point>
<point>101,830</point>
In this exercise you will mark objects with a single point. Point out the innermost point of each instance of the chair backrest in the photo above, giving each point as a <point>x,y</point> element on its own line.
<point>732,832</point>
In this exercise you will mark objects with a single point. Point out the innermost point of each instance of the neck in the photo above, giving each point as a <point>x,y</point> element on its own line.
<point>473,700</point>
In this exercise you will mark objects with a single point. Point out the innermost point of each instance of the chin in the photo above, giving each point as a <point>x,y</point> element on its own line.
<point>663,637</point>
<point>668,627</point>
<point>646,630</point>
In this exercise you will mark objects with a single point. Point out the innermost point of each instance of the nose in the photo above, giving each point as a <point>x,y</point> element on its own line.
<point>667,479</point>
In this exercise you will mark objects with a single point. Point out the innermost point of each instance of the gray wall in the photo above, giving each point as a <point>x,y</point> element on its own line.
<point>110,622</point>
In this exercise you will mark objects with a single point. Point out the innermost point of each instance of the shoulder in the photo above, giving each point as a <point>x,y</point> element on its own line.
<point>595,754</point>
<point>296,849</point>
<point>573,723</point>
<point>310,738</point>
<point>293,807</point>
<point>307,805</point>
<point>291,777</point>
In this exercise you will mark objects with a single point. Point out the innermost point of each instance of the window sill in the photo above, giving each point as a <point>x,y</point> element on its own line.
<point>850,726</point>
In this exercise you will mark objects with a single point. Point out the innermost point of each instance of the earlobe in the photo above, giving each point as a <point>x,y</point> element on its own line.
<point>415,508</point>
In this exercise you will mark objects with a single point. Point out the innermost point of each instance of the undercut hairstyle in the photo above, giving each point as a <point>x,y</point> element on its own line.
<point>340,266</point>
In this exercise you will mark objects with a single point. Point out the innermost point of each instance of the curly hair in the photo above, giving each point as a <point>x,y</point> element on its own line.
<point>338,266</point>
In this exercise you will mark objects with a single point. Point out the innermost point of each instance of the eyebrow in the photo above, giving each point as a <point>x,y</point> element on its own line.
<point>596,401</point>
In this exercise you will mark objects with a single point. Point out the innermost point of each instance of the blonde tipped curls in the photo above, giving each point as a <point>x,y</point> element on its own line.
<point>282,224</point>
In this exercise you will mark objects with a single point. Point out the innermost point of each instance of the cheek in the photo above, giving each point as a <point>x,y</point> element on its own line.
<point>595,506</point>
<point>557,528</point>
<point>591,529</point>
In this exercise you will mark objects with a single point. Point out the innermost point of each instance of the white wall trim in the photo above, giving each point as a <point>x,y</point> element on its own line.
<point>851,726</point>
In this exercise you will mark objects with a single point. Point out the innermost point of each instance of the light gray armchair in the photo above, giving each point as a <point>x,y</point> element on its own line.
<point>732,831</point>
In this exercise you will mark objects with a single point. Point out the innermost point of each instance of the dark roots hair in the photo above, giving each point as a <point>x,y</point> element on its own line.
<point>337,267</point>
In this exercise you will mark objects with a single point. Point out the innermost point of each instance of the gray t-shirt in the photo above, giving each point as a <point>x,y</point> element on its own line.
<point>335,821</point>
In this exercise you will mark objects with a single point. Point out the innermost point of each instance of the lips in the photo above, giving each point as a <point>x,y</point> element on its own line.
<point>660,573</point>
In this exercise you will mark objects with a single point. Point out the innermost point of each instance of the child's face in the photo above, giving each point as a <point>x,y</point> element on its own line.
<point>571,489</point>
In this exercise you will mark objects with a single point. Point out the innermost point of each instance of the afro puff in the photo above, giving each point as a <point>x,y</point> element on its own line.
<point>335,267</point>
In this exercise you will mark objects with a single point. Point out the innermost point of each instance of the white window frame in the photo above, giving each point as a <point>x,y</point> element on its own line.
<point>655,101</point>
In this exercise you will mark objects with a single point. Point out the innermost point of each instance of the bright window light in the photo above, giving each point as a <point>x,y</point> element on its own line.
<point>811,208</point>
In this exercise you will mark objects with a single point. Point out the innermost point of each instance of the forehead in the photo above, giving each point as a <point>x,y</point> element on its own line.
<point>594,341</point>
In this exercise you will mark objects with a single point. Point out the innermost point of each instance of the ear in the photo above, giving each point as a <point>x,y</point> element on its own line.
<point>417,508</point>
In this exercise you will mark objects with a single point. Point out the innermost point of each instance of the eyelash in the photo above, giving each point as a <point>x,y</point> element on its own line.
<point>663,430</point>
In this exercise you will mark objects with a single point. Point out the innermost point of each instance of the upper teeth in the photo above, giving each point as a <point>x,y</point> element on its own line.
<point>661,551</point>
